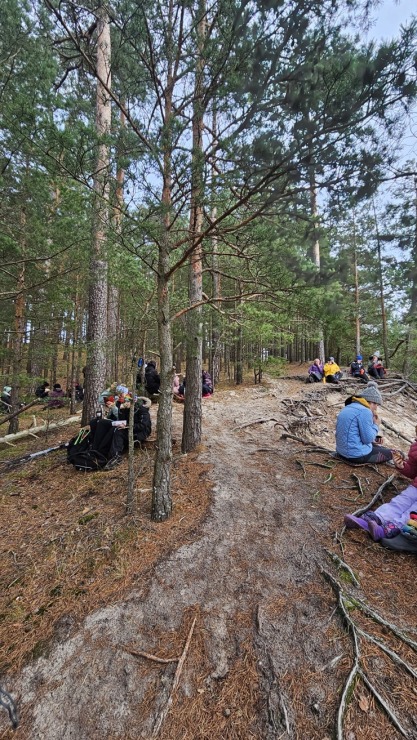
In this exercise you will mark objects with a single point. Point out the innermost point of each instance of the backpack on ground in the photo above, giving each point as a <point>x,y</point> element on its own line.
<point>81,454</point>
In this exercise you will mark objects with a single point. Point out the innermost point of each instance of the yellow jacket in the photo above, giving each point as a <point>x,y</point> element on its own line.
<point>331,368</point>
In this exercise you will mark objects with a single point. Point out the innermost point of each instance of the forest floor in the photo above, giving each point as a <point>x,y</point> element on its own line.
<point>225,622</point>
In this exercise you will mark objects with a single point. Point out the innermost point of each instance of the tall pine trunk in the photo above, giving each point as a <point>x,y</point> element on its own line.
<point>191,433</point>
<point>97,304</point>
<point>161,489</point>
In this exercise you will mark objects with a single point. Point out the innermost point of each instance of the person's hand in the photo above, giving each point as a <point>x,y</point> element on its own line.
<point>398,459</point>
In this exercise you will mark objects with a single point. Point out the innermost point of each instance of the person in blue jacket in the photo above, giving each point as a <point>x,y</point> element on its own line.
<point>357,428</point>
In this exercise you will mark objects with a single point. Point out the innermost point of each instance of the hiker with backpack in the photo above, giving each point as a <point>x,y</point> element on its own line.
<point>396,520</point>
<point>357,428</point>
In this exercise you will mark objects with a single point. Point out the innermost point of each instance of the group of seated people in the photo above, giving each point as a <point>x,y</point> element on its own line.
<point>106,437</point>
<point>330,371</point>
<point>358,441</point>
<point>55,398</point>
<point>375,367</point>
<point>207,389</point>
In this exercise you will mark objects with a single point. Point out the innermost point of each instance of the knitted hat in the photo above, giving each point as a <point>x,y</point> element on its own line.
<point>331,359</point>
<point>377,354</point>
<point>7,389</point>
<point>358,357</point>
<point>109,398</point>
<point>371,393</point>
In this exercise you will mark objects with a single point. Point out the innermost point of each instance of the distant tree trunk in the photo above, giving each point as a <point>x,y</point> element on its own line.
<point>412,314</point>
<point>215,332</point>
<point>356,279</point>
<point>19,329</point>
<point>97,305</point>
<point>239,341</point>
<point>381,291</point>
<point>191,432</point>
<point>316,245</point>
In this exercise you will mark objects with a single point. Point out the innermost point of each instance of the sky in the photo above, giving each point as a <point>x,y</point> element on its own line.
<point>389,16</point>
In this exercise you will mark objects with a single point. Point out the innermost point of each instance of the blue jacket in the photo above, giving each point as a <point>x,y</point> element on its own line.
<point>355,430</point>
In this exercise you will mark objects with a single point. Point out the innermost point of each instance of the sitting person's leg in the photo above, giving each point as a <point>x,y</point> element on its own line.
<point>386,521</point>
<point>378,454</point>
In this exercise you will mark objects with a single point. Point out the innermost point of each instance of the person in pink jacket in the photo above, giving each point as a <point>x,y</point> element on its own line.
<point>393,518</point>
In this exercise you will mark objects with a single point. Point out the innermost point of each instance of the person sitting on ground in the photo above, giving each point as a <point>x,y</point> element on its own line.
<point>315,372</point>
<point>332,371</point>
<point>376,368</point>
<point>43,390</point>
<point>79,392</point>
<point>111,408</point>
<point>181,389</point>
<point>399,516</point>
<point>176,384</point>
<point>152,379</point>
<point>357,369</point>
<point>6,398</point>
<point>56,397</point>
<point>357,428</point>
<point>206,384</point>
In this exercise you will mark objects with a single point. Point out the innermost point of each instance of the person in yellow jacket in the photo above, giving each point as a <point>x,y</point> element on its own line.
<point>332,371</point>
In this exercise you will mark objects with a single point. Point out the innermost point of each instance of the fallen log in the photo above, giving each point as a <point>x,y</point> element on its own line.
<point>31,456</point>
<point>9,439</point>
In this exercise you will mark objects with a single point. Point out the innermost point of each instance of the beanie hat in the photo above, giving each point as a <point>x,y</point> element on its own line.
<point>376,354</point>
<point>331,359</point>
<point>358,357</point>
<point>7,389</point>
<point>109,398</point>
<point>371,393</point>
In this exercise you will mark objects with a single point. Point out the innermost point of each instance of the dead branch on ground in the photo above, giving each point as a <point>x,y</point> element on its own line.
<point>149,656</point>
<point>257,421</point>
<point>162,716</point>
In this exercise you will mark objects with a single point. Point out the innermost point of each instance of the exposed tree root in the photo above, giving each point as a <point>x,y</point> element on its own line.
<point>347,603</point>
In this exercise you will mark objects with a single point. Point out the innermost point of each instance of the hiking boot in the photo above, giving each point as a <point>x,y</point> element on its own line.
<point>355,522</point>
<point>376,531</point>
<point>113,462</point>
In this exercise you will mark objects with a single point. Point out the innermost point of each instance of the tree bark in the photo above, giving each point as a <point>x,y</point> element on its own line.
<point>191,434</point>
<point>97,308</point>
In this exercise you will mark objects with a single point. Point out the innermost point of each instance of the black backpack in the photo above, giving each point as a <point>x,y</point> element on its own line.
<point>81,454</point>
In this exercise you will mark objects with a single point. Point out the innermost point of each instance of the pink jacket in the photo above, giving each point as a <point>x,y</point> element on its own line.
<point>410,464</point>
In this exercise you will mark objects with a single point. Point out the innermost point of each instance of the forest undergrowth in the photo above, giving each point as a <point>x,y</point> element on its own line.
<point>252,582</point>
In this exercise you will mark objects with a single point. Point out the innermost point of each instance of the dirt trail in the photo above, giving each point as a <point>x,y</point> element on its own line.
<point>267,658</point>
